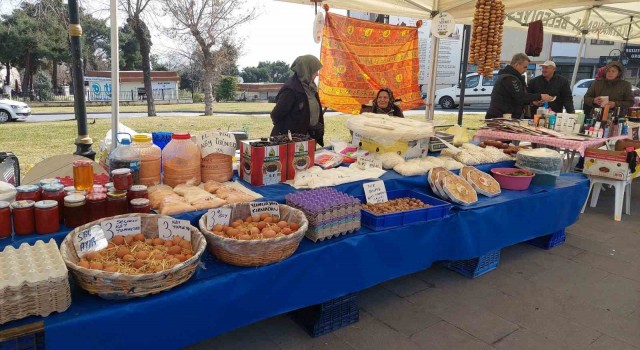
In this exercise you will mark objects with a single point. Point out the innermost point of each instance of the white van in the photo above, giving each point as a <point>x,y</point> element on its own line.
<point>478,90</point>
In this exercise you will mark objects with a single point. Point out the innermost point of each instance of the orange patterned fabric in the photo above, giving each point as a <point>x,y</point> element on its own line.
<point>360,57</point>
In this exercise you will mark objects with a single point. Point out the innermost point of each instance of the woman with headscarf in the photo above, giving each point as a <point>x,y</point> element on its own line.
<point>298,108</point>
<point>384,103</point>
<point>613,86</point>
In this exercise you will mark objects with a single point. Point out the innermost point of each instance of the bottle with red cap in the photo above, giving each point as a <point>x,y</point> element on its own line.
<point>181,161</point>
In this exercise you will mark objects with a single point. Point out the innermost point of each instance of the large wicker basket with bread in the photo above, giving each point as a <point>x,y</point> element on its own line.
<point>260,251</point>
<point>113,285</point>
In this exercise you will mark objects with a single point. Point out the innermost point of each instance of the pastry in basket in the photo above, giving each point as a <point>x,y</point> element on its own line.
<point>459,191</point>
<point>483,183</point>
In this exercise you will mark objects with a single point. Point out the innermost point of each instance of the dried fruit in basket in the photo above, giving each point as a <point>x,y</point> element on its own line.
<point>395,205</point>
<point>486,38</point>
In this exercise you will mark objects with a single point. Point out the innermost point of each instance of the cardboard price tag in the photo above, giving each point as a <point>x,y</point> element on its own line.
<point>219,216</point>
<point>122,227</point>
<point>169,228</point>
<point>365,163</point>
<point>375,192</point>
<point>90,240</point>
<point>258,208</point>
<point>216,142</point>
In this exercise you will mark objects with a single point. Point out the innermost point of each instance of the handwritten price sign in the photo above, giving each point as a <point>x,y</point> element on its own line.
<point>375,192</point>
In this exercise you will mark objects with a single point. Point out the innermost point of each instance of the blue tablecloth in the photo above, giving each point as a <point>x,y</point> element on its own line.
<point>221,297</point>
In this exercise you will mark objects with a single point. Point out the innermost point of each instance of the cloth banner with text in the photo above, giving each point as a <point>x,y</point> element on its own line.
<point>360,57</point>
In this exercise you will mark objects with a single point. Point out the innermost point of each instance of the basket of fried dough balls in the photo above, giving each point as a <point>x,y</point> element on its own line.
<point>255,240</point>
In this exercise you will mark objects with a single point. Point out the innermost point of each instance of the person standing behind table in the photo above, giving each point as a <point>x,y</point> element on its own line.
<point>555,85</point>
<point>298,107</point>
<point>509,93</point>
<point>613,86</point>
<point>384,103</point>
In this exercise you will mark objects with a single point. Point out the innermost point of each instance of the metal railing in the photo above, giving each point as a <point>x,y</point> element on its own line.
<point>93,96</point>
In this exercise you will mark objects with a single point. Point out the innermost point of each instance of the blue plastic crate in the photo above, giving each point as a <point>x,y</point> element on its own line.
<point>438,210</point>
<point>476,267</point>
<point>33,341</point>
<point>549,241</point>
<point>329,316</point>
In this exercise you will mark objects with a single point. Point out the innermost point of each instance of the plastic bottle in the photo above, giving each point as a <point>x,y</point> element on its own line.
<point>181,161</point>
<point>150,160</point>
<point>125,156</point>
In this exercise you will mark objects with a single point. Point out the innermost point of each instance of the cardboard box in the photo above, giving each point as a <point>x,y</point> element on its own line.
<point>610,164</point>
<point>436,145</point>
<point>301,155</point>
<point>263,165</point>
<point>621,145</point>
<point>407,149</point>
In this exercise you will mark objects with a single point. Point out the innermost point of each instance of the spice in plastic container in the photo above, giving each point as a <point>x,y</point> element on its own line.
<point>150,160</point>
<point>117,203</point>
<point>23,217</point>
<point>140,205</point>
<point>122,179</point>
<point>181,161</point>
<point>55,191</point>
<point>96,207</point>
<point>28,193</point>
<point>83,174</point>
<point>5,220</point>
<point>74,210</point>
<point>46,216</point>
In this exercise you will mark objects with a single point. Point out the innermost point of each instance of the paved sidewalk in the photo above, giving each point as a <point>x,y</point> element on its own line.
<point>584,294</point>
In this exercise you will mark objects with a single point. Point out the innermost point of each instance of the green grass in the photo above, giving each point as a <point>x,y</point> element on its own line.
<point>33,142</point>
<point>222,107</point>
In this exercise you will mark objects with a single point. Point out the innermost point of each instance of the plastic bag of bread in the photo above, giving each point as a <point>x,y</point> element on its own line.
<point>157,195</point>
<point>192,194</point>
<point>232,195</point>
<point>174,205</point>
<point>451,164</point>
<point>208,203</point>
<point>438,162</point>
<point>410,168</point>
<point>426,164</point>
<point>467,158</point>
<point>496,155</point>
<point>212,186</point>
<point>390,159</point>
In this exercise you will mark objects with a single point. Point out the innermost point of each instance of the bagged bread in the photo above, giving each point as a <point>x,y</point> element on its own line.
<point>212,186</point>
<point>390,159</point>
<point>451,164</point>
<point>209,203</point>
<point>158,195</point>
<point>173,205</point>
<point>410,168</point>
<point>438,162</point>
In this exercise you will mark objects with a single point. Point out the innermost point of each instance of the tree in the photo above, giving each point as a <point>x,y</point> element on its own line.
<point>157,64</point>
<point>226,89</point>
<point>96,43</point>
<point>208,23</point>
<point>267,72</point>
<point>130,57</point>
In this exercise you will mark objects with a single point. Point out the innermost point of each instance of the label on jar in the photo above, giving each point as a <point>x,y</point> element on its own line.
<point>122,227</point>
<point>216,142</point>
<point>219,216</point>
<point>365,163</point>
<point>259,208</point>
<point>90,240</point>
<point>375,192</point>
<point>169,228</point>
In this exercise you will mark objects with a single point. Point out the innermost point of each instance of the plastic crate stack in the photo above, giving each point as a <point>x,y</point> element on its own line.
<point>331,213</point>
<point>33,281</point>
<point>329,316</point>
<point>476,267</point>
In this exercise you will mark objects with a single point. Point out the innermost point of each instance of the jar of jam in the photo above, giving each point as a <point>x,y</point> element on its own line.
<point>122,179</point>
<point>69,190</point>
<point>28,193</point>
<point>137,191</point>
<point>117,203</point>
<point>23,217</point>
<point>140,205</point>
<point>96,206</point>
<point>74,210</point>
<point>44,182</point>
<point>55,191</point>
<point>46,214</point>
<point>109,187</point>
<point>5,220</point>
<point>98,189</point>
<point>83,174</point>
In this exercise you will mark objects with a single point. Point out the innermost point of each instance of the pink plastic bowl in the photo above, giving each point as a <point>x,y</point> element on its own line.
<point>510,182</point>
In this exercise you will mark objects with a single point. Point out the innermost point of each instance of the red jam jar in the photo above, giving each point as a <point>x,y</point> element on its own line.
<point>28,193</point>
<point>56,193</point>
<point>98,189</point>
<point>137,191</point>
<point>5,220</point>
<point>122,179</point>
<point>140,205</point>
<point>96,206</point>
<point>74,210</point>
<point>46,214</point>
<point>117,203</point>
<point>23,217</point>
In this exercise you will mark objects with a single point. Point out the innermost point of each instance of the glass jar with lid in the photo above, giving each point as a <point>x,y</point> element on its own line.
<point>122,179</point>
<point>46,217</point>
<point>96,206</point>
<point>83,174</point>
<point>74,210</point>
<point>5,220</point>
<point>23,217</point>
<point>140,205</point>
<point>28,193</point>
<point>117,203</point>
<point>137,191</point>
<point>55,191</point>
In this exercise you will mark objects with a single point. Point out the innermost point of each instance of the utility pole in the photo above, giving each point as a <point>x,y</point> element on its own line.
<point>83,141</point>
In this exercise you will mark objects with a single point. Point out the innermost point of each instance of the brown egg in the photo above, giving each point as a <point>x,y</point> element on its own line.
<point>254,231</point>
<point>263,216</point>
<point>244,237</point>
<point>218,233</point>
<point>118,240</point>
<point>111,268</point>
<point>286,231</point>
<point>269,234</point>
<point>248,219</point>
<point>268,219</point>
<point>294,227</point>
<point>218,228</point>
<point>148,241</point>
<point>142,255</point>
<point>136,243</point>
<point>158,241</point>
<point>181,257</point>
<point>128,239</point>
<point>92,256</point>
<point>129,258</point>
<point>173,261</point>
<point>168,243</point>
<point>233,232</point>
<point>261,225</point>
<point>139,237</point>
<point>157,256</point>
<point>96,265</point>
<point>111,245</point>
<point>138,264</point>
<point>174,250</point>
<point>177,240</point>
<point>283,224</point>
<point>84,264</point>
<point>188,255</point>
<point>255,218</point>
<point>236,223</point>
<point>122,251</point>
<point>157,268</point>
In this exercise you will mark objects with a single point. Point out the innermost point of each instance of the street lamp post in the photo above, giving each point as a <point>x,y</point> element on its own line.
<point>83,141</point>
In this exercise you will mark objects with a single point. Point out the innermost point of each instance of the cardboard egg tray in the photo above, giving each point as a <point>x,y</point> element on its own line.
<point>33,281</point>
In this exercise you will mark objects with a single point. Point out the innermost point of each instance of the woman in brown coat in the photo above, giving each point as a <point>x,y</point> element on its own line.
<point>612,86</point>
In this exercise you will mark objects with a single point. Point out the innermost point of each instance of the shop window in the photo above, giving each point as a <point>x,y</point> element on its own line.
<point>564,39</point>
<point>601,42</point>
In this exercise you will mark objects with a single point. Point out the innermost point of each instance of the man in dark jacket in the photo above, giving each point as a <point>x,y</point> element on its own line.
<point>509,93</point>
<point>555,85</point>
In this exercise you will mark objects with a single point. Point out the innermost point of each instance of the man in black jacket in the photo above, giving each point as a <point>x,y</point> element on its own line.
<point>555,85</point>
<point>509,93</point>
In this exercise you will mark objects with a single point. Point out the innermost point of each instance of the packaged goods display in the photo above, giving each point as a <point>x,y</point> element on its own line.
<point>124,156</point>
<point>82,174</point>
<point>5,220</point>
<point>122,179</point>
<point>482,182</point>
<point>28,193</point>
<point>450,186</point>
<point>150,160</point>
<point>55,191</point>
<point>181,161</point>
<point>395,205</point>
<point>263,162</point>
<point>74,210</point>
<point>330,213</point>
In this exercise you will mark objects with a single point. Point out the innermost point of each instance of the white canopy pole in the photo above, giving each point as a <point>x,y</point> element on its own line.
<point>585,23</point>
<point>435,47</point>
<point>115,74</point>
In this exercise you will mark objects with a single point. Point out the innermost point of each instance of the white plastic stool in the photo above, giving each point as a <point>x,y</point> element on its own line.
<point>622,187</point>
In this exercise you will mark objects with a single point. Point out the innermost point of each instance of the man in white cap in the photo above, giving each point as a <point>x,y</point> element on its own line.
<point>555,85</point>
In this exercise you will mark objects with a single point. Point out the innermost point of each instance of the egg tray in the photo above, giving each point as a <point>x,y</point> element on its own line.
<point>31,302</point>
<point>335,231</point>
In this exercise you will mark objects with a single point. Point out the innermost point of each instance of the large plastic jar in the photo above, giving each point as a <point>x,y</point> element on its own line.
<point>125,156</point>
<point>181,161</point>
<point>150,160</point>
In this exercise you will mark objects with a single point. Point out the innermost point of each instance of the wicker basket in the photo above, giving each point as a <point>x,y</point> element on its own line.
<point>256,252</point>
<point>112,285</point>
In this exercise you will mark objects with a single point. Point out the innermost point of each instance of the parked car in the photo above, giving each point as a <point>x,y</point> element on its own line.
<point>13,110</point>
<point>478,90</point>
<point>581,87</point>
